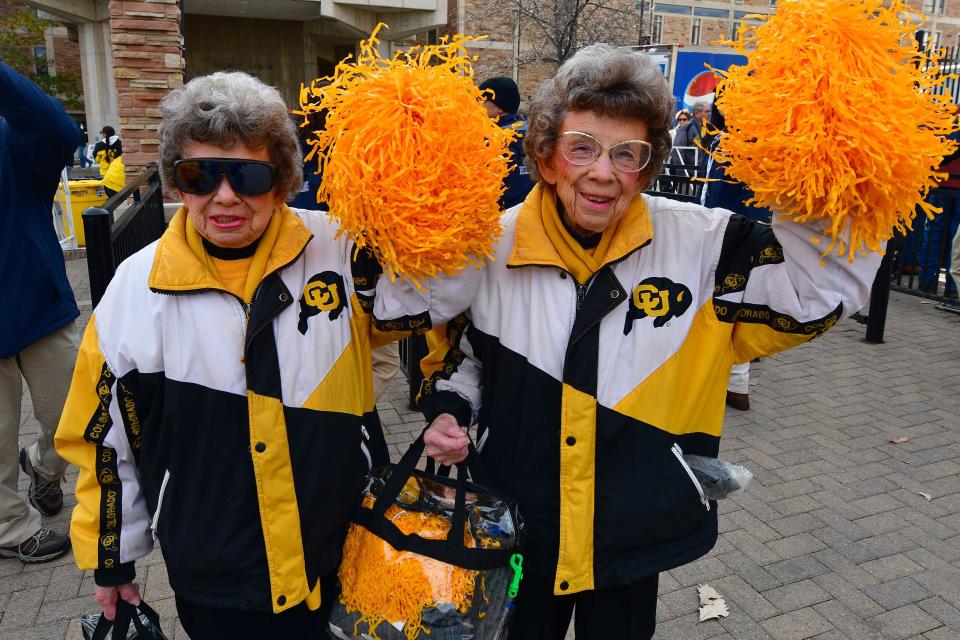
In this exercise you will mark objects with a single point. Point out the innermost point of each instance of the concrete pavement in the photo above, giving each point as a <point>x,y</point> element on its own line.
<point>834,539</point>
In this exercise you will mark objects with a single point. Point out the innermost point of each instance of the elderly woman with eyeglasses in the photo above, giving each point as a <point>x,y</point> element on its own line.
<point>598,349</point>
<point>222,401</point>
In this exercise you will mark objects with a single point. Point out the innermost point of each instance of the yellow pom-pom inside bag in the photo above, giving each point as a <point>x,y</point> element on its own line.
<point>412,164</point>
<point>836,118</point>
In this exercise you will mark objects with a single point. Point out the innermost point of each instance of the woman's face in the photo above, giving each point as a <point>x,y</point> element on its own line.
<point>223,217</point>
<point>596,195</point>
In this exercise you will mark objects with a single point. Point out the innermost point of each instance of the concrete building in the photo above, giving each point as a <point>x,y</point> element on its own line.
<point>133,52</point>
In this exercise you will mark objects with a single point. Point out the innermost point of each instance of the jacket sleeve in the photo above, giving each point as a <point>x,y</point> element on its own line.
<point>399,307</point>
<point>777,289</point>
<point>100,433</point>
<point>45,136</point>
<point>451,373</point>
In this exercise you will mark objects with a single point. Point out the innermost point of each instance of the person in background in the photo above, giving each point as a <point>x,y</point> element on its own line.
<point>82,149</point>
<point>108,153</point>
<point>38,312</point>
<point>936,237</point>
<point>222,402</point>
<point>307,197</point>
<point>598,348</point>
<point>502,106</point>
<point>719,191</point>
<point>689,135</point>
<point>681,118</point>
<point>955,264</point>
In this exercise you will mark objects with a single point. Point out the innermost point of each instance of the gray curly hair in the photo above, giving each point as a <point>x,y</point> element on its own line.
<point>607,80</point>
<point>226,108</point>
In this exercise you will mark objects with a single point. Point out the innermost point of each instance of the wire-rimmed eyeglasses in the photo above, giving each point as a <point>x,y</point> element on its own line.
<point>581,149</point>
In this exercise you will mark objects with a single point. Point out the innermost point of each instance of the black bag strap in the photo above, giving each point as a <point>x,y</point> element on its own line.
<point>451,550</point>
<point>103,627</point>
<point>127,614</point>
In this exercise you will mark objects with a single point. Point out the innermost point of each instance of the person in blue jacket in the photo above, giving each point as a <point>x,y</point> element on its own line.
<point>502,106</point>
<point>38,332</point>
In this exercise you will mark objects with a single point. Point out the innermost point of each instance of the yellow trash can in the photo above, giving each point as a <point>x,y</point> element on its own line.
<point>83,194</point>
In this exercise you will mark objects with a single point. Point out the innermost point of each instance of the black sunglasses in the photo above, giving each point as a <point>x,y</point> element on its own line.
<point>200,176</point>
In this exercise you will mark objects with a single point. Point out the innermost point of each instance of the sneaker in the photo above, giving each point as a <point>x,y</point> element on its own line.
<point>45,495</point>
<point>42,546</point>
<point>738,401</point>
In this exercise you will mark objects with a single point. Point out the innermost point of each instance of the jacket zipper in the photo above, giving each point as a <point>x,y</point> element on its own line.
<point>156,514</point>
<point>581,294</point>
<point>678,452</point>
<point>363,446</point>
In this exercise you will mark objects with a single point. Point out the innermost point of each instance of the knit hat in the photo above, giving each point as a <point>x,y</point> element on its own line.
<point>506,95</point>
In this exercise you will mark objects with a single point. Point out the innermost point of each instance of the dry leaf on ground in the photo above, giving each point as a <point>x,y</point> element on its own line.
<point>899,440</point>
<point>926,495</point>
<point>712,605</point>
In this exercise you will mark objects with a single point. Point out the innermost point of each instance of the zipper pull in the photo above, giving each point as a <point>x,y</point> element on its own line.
<point>581,294</point>
<point>243,336</point>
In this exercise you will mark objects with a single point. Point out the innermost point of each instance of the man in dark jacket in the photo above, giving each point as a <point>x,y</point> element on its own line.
<point>502,107</point>
<point>38,333</point>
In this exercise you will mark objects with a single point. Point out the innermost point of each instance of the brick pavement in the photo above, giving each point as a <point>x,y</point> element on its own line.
<point>833,540</point>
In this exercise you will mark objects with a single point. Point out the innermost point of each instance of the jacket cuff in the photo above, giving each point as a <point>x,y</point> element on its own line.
<point>123,574</point>
<point>447,402</point>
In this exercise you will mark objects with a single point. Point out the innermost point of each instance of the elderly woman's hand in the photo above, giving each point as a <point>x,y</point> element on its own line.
<point>107,597</point>
<point>446,440</point>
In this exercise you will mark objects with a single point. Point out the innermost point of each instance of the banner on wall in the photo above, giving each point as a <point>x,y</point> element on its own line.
<point>693,82</point>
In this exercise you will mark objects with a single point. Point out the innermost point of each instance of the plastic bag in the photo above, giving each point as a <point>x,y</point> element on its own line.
<point>130,623</point>
<point>428,557</point>
<point>719,478</point>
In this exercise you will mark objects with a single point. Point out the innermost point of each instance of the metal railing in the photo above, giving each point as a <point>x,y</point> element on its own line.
<point>681,175</point>
<point>111,238</point>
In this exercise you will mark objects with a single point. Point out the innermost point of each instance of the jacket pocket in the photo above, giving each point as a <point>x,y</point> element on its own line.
<point>156,514</point>
<point>678,452</point>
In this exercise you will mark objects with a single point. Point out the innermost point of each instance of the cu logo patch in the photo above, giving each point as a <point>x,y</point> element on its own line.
<point>658,298</point>
<point>324,292</point>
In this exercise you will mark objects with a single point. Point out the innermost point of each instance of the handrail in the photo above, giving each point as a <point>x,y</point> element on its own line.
<point>111,240</point>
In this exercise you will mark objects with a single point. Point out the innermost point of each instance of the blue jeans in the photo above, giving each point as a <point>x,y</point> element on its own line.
<point>84,160</point>
<point>938,233</point>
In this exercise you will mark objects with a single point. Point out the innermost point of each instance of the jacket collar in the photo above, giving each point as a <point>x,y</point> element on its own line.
<point>532,245</point>
<point>181,265</point>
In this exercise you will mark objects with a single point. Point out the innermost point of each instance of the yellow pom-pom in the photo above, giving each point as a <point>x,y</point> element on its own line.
<point>412,164</point>
<point>837,117</point>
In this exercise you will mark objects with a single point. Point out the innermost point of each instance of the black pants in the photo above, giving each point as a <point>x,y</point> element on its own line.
<point>625,613</point>
<point>110,192</point>
<point>207,623</point>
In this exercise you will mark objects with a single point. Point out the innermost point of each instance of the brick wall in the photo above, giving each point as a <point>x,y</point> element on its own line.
<point>147,64</point>
<point>66,52</point>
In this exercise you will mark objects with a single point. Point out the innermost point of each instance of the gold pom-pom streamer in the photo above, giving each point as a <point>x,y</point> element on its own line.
<point>386,585</point>
<point>836,117</point>
<point>412,164</point>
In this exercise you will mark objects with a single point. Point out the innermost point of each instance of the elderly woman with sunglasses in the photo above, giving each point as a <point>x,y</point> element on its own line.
<point>598,349</point>
<point>222,402</point>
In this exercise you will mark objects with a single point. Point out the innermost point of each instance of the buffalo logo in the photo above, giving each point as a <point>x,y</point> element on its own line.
<point>107,477</point>
<point>109,542</point>
<point>658,298</point>
<point>324,292</point>
<point>785,324</point>
<point>818,328</point>
<point>733,282</point>
<point>771,253</point>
